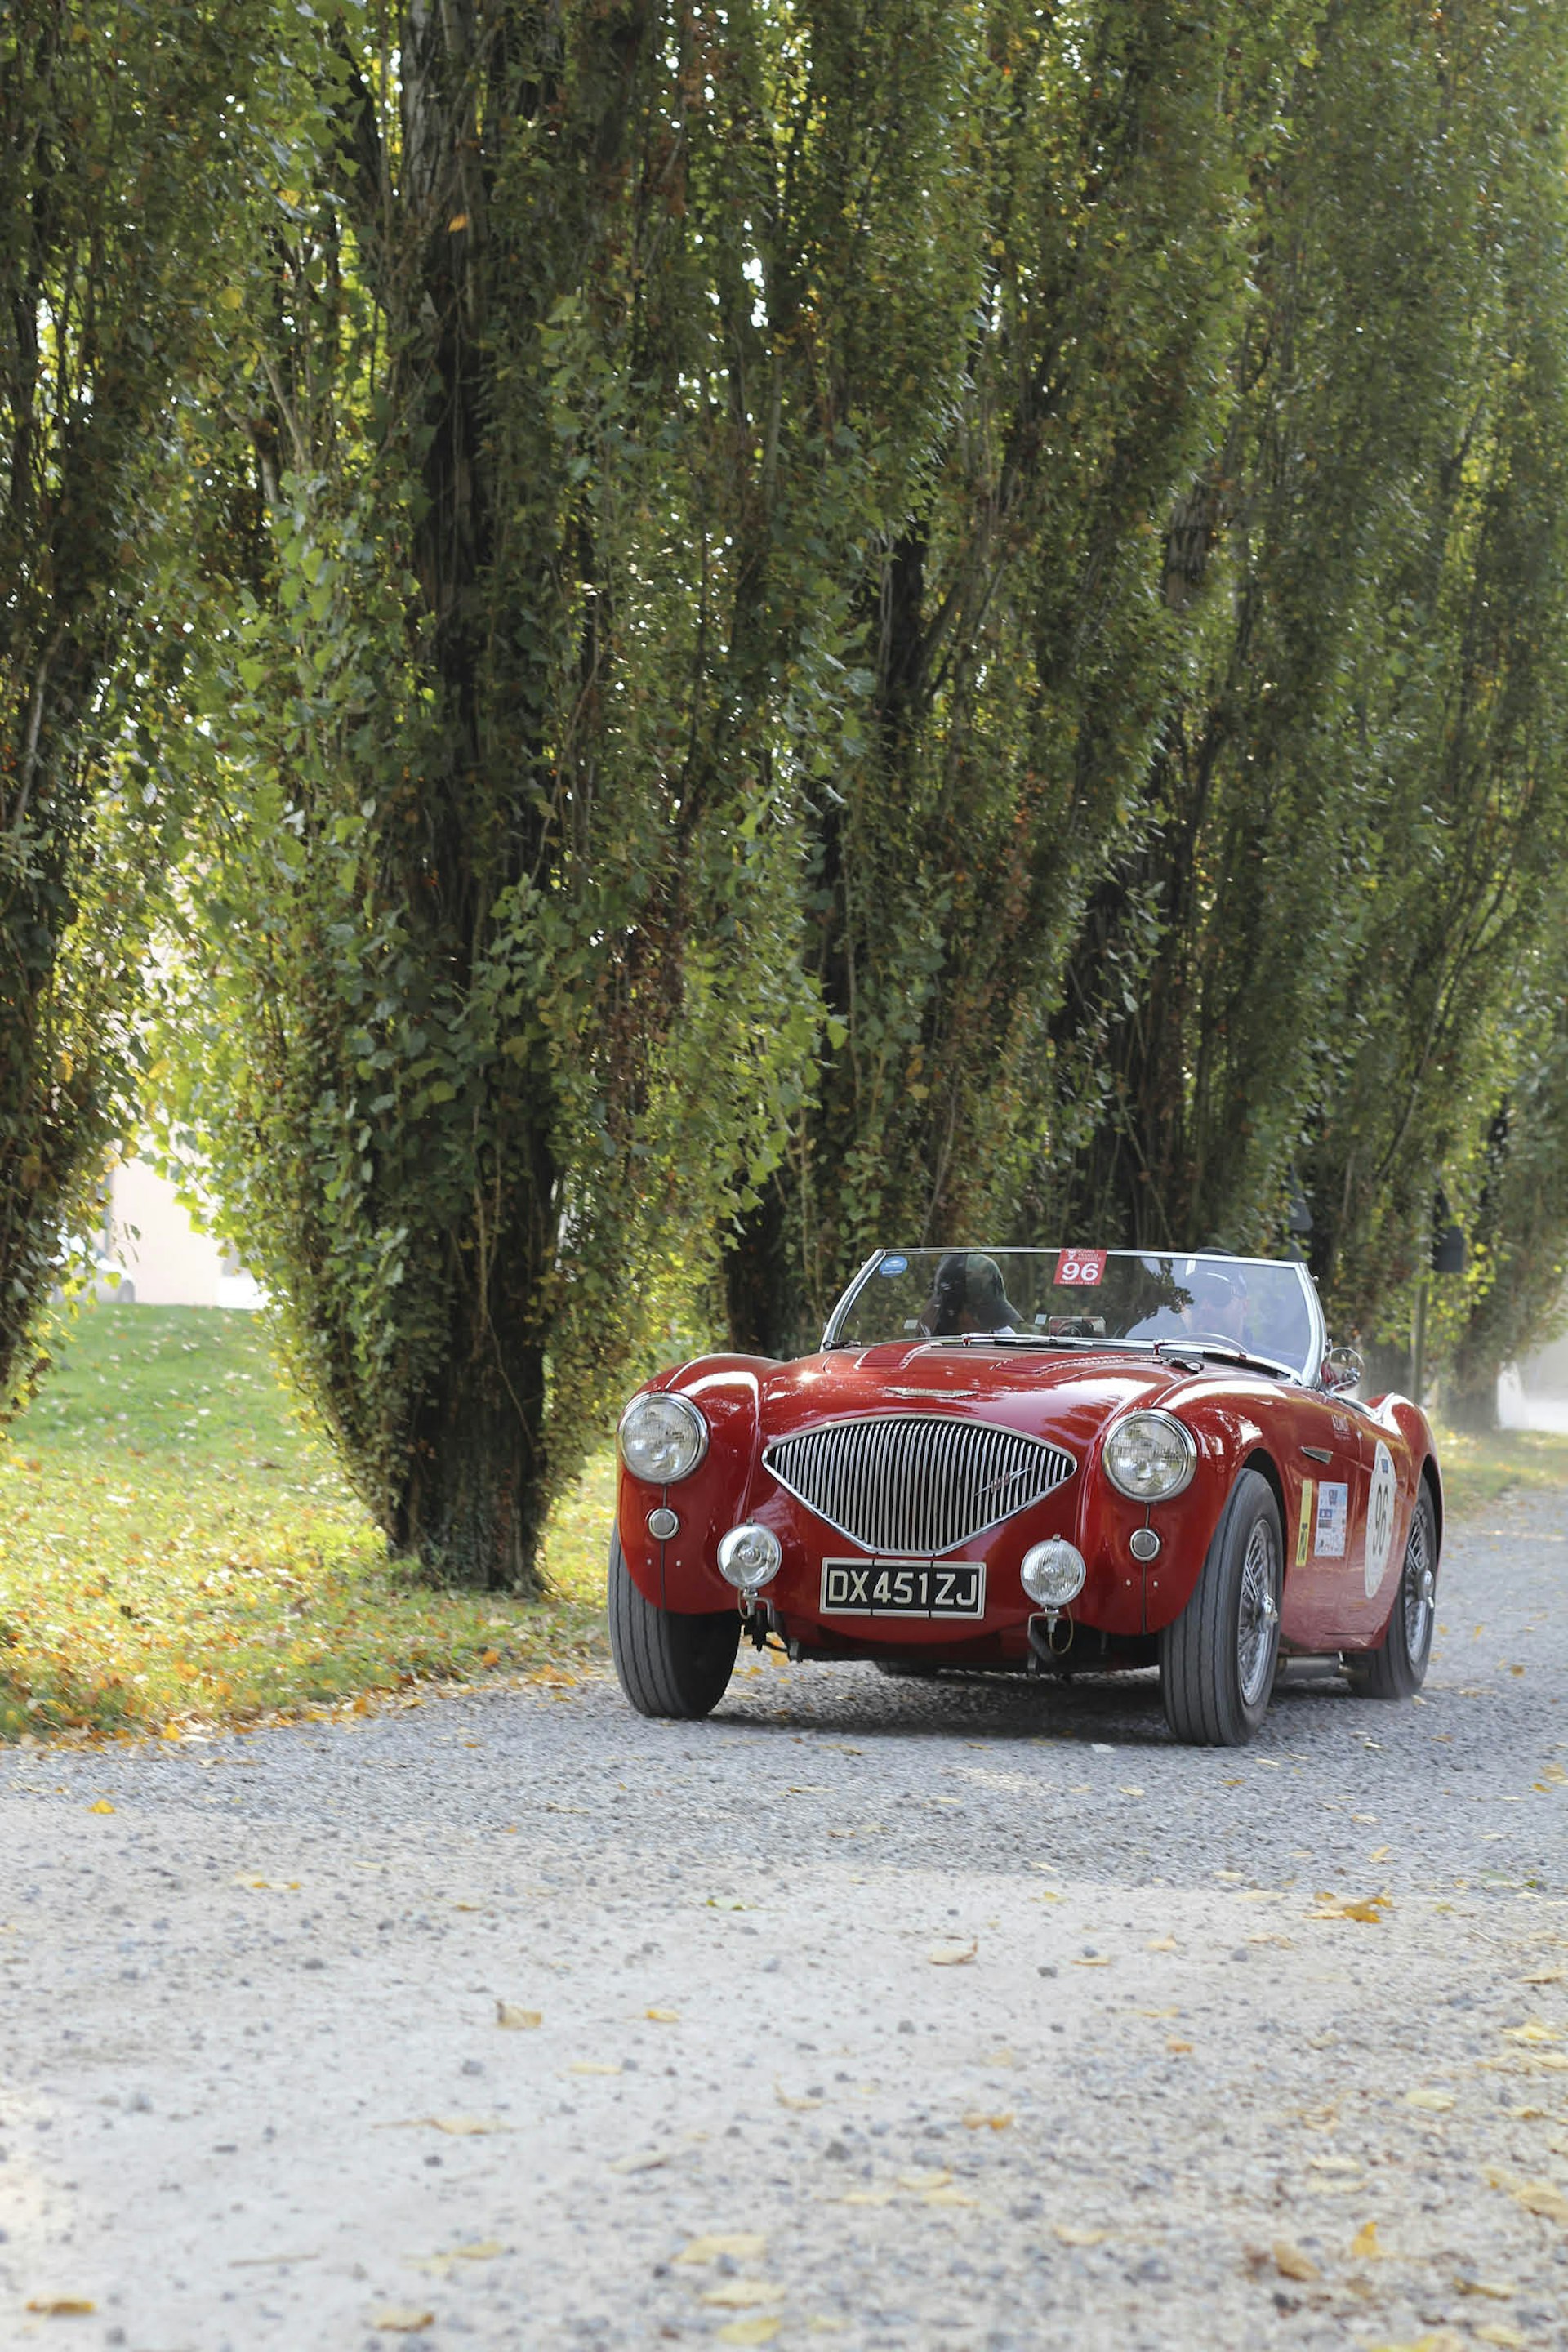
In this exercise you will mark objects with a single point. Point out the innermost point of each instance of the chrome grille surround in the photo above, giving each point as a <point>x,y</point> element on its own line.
<point>914,1485</point>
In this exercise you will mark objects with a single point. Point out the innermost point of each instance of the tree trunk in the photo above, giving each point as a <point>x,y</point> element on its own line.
<point>1470,1402</point>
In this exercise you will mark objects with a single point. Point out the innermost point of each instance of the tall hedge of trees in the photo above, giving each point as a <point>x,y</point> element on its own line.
<point>720,634</point>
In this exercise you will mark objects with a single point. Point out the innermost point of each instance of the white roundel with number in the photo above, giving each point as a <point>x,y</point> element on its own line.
<point>1380,1507</point>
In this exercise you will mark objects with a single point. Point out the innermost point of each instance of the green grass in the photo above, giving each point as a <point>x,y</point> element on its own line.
<point>178,1548</point>
<point>1477,1470</point>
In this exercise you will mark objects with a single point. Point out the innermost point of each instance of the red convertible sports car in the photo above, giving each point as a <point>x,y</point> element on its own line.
<point>1052,1460</point>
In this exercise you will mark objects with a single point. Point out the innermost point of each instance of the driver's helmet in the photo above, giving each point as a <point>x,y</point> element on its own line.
<point>969,1287</point>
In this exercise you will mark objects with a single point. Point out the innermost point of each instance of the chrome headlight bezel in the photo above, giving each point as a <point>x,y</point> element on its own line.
<point>674,1413</point>
<point>749,1556</point>
<point>1053,1574</point>
<point>1169,1429</point>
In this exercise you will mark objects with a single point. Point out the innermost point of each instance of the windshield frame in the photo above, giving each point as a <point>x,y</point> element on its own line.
<point>1305,1374</point>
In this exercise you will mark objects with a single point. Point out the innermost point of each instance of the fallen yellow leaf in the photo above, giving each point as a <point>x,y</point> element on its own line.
<point>788,2099</point>
<point>744,2294</point>
<point>1291,2262</point>
<point>952,1956</point>
<point>1162,1944</point>
<point>1533,2030</point>
<point>1495,2332</point>
<point>442,2265</point>
<point>398,2319</point>
<point>1370,1909</point>
<point>993,2123</point>
<point>649,2161</point>
<point>467,2126</point>
<point>1093,1960</point>
<point>510,2013</point>
<point>921,2183</point>
<point>663,2016</point>
<point>948,2197</point>
<point>1435,2103</point>
<point>101,1806</point>
<point>594,2066</point>
<point>867,2196</point>
<point>1364,2246</point>
<point>761,2330</point>
<point>741,2245</point>
<point>65,2306</point>
<point>1178,2049</point>
<point>1540,2197</point>
<point>1439,2340</point>
<point>1071,2234</point>
<point>1499,2290</point>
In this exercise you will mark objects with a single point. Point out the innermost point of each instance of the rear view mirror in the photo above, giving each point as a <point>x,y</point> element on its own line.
<point>1342,1368</point>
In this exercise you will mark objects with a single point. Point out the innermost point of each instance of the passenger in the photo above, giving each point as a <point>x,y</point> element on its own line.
<point>969,1296</point>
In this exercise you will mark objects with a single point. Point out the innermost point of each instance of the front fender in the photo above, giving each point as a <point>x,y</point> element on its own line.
<point>1153,1594</point>
<point>679,1573</point>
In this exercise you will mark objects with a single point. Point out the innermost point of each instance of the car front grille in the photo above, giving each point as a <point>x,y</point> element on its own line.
<point>915,1484</point>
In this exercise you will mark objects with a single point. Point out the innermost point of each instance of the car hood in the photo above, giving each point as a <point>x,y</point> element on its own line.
<point>1064,1397</point>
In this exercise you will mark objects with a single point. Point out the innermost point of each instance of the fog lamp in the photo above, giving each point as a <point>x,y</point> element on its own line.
<point>749,1558</point>
<point>1053,1572</point>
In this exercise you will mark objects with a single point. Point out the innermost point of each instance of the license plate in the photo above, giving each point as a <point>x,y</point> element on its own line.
<point>894,1588</point>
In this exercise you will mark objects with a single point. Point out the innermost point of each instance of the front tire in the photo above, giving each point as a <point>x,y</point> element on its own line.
<point>669,1664</point>
<point>1217,1662</point>
<point>1397,1667</point>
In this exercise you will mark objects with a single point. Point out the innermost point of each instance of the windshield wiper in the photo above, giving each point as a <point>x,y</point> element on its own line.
<point>1174,1349</point>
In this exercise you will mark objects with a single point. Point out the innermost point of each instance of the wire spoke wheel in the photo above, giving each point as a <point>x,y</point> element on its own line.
<point>1418,1587</point>
<point>1397,1667</point>
<point>1257,1614</point>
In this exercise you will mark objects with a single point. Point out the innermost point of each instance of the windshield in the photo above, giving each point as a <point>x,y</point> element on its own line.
<point>1258,1306</point>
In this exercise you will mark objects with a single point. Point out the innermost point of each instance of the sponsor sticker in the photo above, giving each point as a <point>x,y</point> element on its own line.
<point>1303,1533</point>
<point>1329,1537</point>
<point>1081,1266</point>
<point>1380,1507</point>
<point>894,1265</point>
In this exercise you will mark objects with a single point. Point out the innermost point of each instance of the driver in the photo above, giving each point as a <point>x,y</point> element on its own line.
<point>1213,1305</point>
<point>969,1295</point>
<point>1217,1309</point>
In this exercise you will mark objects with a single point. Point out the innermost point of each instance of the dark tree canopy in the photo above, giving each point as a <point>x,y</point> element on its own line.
<point>718,635</point>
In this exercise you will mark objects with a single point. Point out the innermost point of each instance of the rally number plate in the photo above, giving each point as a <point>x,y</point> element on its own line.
<point>902,1587</point>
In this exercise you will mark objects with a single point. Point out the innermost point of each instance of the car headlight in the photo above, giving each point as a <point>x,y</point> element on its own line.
<point>1052,1573</point>
<point>1150,1456</point>
<point>662,1438</point>
<point>749,1558</point>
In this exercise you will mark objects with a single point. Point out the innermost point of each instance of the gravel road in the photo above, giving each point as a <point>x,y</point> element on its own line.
<point>965,2015</point>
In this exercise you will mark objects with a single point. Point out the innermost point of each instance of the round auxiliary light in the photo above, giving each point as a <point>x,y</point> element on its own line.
<point>662,1523</point>
<point>662,1438</point>
<point>749,1558</point>
<point>1053,1572</point>
<point>1150,1456</point>
<point>1143,1543</point>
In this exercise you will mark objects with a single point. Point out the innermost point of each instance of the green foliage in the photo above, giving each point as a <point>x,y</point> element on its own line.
<point>1299,970</point>
<point>104,281</point>
<point>533,650</point>
<point>1022,648</point>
